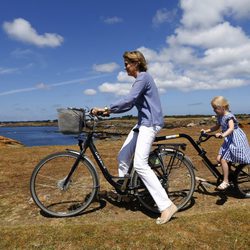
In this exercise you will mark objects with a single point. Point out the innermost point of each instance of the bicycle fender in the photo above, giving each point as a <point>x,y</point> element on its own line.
<point>190,162</point>
<point>73,151</point>
<point>179,152</point>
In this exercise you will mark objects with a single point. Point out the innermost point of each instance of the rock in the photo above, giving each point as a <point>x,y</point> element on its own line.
<point>203,122</point>
<point>191,124</point>
<point>7,142</point>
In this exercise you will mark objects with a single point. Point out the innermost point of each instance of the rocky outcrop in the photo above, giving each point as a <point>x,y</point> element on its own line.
<point>7,142</point>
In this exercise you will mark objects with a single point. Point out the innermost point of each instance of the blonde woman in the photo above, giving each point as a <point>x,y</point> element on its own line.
<point>144,96</point>
<point>235,147</point>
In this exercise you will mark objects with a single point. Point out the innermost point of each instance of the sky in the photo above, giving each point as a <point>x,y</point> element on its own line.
<point>62,53</point>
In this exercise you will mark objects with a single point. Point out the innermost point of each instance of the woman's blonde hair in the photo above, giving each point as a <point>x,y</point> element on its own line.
<point>136,56</point>
<point>220,101</point>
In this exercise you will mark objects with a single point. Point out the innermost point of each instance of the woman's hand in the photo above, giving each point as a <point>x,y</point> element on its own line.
<point>100,111</point>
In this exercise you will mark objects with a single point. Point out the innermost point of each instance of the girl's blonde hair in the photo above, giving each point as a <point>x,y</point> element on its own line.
<point>220,101</point>
<point>136,56</point>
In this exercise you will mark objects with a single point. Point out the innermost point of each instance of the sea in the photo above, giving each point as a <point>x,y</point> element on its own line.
<point>38,136</point>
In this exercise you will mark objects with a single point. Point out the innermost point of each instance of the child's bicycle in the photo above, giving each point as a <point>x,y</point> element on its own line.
<point>239,174</point>
<point>65,183</point>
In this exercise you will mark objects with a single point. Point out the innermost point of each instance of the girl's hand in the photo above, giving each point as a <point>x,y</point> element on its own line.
<point>205,131</point>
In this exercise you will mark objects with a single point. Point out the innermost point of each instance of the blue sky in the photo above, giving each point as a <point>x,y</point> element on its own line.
<point>61,53</point>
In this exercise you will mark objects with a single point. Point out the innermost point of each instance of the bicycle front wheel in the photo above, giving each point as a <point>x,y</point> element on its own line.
<point>58,195</point>
<point>176,176</point>
<point>242,180</point>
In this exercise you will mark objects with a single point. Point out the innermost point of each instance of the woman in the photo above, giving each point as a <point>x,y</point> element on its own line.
<point>144,95</point>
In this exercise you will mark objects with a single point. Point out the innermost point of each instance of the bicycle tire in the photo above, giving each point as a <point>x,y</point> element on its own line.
<point>242,180</point>
<point>178,179</point>
<point>48,192</point>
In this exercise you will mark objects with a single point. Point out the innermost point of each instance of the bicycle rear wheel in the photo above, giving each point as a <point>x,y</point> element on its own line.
<point>57,198</point>
<point>242,180</point>
<point>176,176</point>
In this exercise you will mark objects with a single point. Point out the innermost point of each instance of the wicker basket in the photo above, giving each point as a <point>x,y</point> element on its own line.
<point>70,121</point>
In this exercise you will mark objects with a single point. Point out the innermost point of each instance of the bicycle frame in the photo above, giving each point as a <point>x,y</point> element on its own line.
<point>88,143</point>
<point>199,149</point>
<point>84,144</point>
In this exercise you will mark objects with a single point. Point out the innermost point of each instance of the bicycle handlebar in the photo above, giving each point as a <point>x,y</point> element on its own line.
<point>204,137</point>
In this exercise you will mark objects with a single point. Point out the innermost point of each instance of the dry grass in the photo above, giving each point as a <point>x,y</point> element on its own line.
<point>211,222</point>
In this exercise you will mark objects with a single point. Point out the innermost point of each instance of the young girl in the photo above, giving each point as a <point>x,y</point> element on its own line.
<point>235,147</point>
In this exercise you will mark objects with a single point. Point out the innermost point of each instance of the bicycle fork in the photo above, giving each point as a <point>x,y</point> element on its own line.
<point>65,182</point>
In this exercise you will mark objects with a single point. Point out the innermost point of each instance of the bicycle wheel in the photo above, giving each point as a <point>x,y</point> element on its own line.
<point>242,180</point>
<point>50,192</point>
<point>176,176</point>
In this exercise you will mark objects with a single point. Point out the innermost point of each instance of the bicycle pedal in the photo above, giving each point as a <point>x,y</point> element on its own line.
<point>114,196</point>
<point>206,184</point>
<point>203,182</point>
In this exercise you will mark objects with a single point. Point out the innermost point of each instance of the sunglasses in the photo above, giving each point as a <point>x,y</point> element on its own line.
<point>128,63</point>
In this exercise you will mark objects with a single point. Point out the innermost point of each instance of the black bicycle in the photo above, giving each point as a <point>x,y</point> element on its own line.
<point>239,174</point>
<point>65,183</point>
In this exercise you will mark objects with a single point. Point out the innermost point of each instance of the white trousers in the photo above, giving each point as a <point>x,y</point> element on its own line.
<point>139,146</point>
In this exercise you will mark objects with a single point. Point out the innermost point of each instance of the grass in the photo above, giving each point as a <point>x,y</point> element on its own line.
<point>217,230</point>
<point>206,224</point>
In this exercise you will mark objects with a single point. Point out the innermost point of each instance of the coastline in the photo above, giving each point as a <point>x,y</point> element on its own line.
<point>7,142</point>
<point>108,128</point>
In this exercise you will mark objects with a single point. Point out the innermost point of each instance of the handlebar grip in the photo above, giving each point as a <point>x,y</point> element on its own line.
<point>99,113</point>
<point>204,134</point>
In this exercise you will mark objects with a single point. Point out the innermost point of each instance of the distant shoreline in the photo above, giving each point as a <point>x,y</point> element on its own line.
<point>182,119</point>
<point>29,124</point>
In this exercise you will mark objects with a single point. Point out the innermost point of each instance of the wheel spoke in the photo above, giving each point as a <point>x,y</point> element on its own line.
<point>177,178</point>
<point>48,187</point>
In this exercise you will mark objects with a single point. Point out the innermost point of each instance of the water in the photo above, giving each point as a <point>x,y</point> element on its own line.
<point>37,136</point>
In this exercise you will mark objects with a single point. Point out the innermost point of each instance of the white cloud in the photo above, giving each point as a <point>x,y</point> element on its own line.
<point>19,53</point>
<point>222,34</point>
<point>4,71</point>
<point>21,30</point>
<point>207,51</point>
<point>123,77</point>
<point>112,20</point>
<point>106,68</point>
<point>162,16</point>
<point>42,86</point>
<point>207,13</point>
<point>115,88</point>
<point>240,9</point>
<point>224,56</point>
<point>89,92</point>
<point>201,13</point>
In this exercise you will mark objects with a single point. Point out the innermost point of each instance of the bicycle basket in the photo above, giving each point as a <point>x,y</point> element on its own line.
<point>71,121</point>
